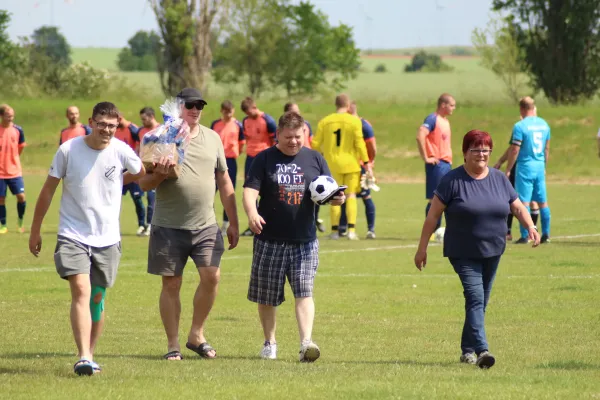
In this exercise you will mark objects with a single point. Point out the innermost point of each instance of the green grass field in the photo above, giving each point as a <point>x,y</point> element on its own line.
<point>572,157</point>
<point>385,329</point>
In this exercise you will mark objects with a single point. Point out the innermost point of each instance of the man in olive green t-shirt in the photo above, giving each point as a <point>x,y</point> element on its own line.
<point>184,225</point>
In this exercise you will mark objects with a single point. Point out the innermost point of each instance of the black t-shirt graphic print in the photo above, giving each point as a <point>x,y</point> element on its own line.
<point>285,204</point>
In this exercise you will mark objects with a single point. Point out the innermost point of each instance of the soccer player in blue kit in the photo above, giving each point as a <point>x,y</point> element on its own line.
<point>530,146</point>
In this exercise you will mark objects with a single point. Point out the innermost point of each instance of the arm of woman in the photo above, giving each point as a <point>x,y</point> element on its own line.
<point>518,210</point>
<point>434,214</point>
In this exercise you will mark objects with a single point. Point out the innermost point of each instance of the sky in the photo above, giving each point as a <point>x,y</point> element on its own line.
<point>380,24</point>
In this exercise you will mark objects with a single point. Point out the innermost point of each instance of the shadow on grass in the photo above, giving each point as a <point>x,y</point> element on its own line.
<point>569,366</point>
<point>18,371</point>
<point>445,364</point>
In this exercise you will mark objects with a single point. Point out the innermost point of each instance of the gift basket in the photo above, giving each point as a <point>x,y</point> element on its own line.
<point>168,140</point>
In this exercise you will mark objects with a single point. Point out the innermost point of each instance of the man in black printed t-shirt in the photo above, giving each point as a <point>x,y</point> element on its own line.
<point>285,241</point>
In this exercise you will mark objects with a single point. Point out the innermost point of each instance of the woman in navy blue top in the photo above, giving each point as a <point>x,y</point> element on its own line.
<point>476,201</point>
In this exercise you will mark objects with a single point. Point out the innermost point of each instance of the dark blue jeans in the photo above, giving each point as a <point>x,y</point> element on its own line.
<point>477,276</point>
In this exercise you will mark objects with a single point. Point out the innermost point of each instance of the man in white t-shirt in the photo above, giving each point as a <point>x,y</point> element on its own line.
<point>89,241</point>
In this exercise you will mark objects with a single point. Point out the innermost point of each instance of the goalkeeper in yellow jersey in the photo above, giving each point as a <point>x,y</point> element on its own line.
<point>339,138</point>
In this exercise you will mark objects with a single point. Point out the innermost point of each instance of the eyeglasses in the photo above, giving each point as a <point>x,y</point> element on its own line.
<point>485,152</point>
<point>104,125</point>
<point>198,104</point>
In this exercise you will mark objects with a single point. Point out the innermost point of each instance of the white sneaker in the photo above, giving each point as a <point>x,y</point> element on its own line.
<point>352,236</point>
<point>224,228</point>
<point>269,351</point>
<point>309,352</point>
<point>334,235</point>
<point>370,235</point>
<point>147,231</point>
<point>140,231</point>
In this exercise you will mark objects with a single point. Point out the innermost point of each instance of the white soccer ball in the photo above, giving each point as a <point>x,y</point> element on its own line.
<point>439,234</point>
<point>322,188</point>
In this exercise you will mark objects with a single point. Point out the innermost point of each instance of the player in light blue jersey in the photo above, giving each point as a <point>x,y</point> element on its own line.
<point>530,146</point>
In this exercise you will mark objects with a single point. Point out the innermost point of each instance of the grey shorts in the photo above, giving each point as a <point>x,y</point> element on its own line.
<point>100,263</point>
<point>272,262</point>
<point>169,249</point>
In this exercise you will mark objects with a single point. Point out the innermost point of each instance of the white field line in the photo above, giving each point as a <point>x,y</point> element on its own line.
<point>46,268</point>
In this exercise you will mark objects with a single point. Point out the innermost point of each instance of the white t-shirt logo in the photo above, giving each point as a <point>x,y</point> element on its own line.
<point>110,172</point>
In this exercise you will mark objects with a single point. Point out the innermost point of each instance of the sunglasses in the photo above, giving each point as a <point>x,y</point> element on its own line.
<point>198,104</point>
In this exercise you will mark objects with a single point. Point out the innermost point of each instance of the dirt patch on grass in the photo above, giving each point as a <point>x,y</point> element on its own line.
<point>587,121</point>
<point>399,153</point>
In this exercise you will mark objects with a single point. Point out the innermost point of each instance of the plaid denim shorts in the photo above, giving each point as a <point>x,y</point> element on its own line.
<point>273,261</point>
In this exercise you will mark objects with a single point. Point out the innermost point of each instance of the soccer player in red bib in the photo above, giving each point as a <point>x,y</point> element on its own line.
<point>12,143</point>
<point>75,128</point>
<point>231,132</point>
<point>259,132</point>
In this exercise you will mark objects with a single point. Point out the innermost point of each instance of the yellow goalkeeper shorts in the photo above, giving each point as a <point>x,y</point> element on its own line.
<point>352,180</point>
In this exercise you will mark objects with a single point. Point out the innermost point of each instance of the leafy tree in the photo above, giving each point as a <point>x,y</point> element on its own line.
<point>49,43</point>
<point>186,27</point>
<point>11,57</point>
<point>141,53</point>
<point>286,45</point>
<point>315,53</point>
<point>499,50</point>
<point>250,49</point>
<point>561,39</point>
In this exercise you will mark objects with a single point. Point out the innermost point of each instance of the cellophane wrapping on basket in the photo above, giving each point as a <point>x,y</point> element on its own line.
<point>168,140</point>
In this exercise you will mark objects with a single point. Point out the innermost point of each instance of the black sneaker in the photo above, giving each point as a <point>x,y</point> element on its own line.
<point>248,232</point>
<point>522,241</point>
<point>485,360</point>
<point>545,239</point>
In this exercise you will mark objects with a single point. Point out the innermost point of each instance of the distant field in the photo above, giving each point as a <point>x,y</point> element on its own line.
<point>439,50</point>
<point>469,81</point>
<point>98,57</point>
<point>107,57</point>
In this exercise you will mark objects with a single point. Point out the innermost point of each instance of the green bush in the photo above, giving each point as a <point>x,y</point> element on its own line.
<point>461,51</point>
<point>380,68</point>
<point>83,81</point>
<point>427,62</point>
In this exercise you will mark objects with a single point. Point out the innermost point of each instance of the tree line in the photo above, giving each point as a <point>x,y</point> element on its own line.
<point>548,46</point>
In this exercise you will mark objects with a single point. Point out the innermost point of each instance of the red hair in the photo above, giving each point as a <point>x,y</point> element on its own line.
<point>475,138</point>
